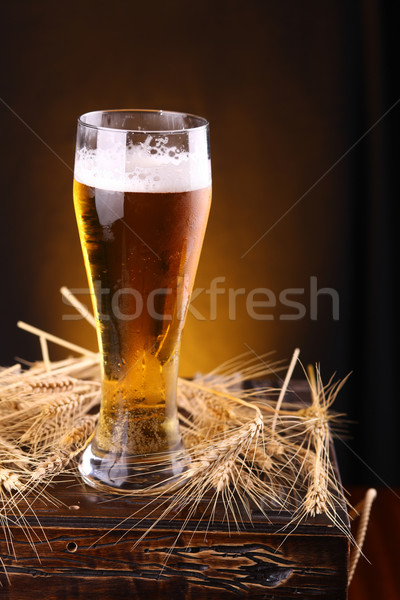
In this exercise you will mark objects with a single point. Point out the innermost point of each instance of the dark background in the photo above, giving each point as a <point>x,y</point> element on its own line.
<point>296,95</point>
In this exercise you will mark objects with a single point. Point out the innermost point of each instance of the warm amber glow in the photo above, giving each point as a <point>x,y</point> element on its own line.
<point>278,261</point>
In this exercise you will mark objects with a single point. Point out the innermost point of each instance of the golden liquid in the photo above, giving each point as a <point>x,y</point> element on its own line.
<point>133,245</point>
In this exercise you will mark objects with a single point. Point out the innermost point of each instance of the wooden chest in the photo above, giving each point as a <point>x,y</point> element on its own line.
<point>262,560</point>
<point>84,547</point>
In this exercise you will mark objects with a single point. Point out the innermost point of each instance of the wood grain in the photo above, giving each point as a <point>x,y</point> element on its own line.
<point>82,558</point>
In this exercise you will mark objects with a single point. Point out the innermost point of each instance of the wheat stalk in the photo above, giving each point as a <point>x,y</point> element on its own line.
<point>244,446</point>
<point>9,481</point>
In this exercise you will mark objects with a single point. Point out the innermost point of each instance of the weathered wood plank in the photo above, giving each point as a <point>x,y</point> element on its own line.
<point>216,564</point>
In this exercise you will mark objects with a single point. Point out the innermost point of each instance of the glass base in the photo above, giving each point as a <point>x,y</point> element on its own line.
<point>119,474</point>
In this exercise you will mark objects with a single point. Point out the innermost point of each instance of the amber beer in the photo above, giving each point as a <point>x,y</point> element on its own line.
<point>141,242</point>
<point>143,268</point>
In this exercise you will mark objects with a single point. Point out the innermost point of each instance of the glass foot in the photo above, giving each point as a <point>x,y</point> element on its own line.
<point>121,474</point>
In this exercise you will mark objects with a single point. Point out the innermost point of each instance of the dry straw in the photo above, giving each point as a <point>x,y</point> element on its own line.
<point>249,445</point>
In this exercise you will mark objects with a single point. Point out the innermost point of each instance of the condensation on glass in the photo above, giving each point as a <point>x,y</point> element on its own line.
<point>142,193</point>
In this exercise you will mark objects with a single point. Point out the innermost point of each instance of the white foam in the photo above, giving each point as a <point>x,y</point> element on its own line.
<point>151,166</point>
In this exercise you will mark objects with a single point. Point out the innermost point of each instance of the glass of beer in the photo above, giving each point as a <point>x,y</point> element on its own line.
<point>142,193</point>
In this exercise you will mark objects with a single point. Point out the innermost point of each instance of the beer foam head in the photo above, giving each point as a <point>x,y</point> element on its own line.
<point>150,166</point>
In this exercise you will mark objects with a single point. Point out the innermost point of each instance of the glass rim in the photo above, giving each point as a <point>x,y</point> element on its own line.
<point>203,123</point>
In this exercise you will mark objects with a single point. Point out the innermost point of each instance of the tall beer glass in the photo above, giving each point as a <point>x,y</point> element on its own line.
<point>142,193</point>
